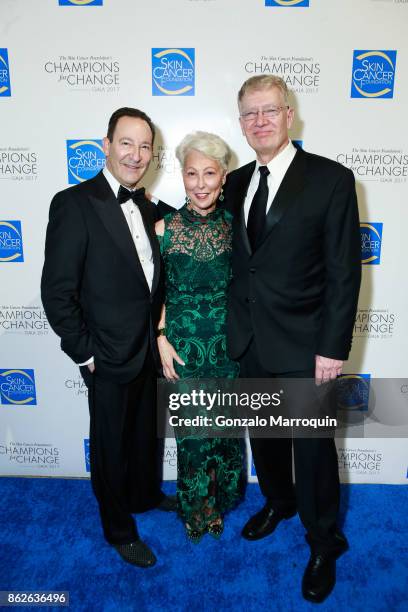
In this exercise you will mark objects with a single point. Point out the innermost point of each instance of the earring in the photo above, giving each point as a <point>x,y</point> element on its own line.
<point>221,196</point>
<point>188,200</point>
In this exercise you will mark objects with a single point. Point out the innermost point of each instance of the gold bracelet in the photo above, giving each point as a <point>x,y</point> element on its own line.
<point>161,332</point>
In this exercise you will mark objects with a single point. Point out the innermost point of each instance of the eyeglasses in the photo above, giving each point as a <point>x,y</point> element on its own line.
<point>269,113</point>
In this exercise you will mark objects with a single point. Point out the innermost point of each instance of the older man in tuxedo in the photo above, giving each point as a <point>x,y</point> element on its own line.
<point>102,292</point>
<point>296,277</point>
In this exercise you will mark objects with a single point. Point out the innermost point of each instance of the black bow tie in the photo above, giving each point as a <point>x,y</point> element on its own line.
<point>138,196</point>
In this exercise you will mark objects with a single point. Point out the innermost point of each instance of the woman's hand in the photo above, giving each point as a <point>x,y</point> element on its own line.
<point>167,355</point>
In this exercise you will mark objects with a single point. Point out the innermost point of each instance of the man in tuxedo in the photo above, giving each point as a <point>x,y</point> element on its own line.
<point>102,293</point>
<point>296,277</point>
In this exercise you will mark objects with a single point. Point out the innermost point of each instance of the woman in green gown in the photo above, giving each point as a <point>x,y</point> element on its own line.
<point>195,243</point>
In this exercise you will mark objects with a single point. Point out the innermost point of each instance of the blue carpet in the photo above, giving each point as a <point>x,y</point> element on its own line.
<point>51,540</point>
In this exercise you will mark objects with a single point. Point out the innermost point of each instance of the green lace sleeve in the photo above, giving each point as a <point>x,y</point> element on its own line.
<point>164,240</point>
<point>161,243</point>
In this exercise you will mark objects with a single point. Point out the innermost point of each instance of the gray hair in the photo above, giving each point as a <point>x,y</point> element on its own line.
<point>264,81</point>
<point>208,144</point>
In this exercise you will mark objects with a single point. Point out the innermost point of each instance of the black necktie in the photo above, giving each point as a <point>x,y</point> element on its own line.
<point>138,196</point>
<point>257,211</point>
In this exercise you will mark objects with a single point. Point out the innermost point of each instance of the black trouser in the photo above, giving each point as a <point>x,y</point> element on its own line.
<point>317,491</point>
<point>125,451</point>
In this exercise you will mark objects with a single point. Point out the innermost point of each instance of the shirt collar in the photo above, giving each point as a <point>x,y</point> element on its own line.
<point>280,163</point>
<point>114,184</point>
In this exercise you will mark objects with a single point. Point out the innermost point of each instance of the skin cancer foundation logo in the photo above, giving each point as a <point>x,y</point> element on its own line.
<point>371,241</point>
<point>87,455</point>
<point>173,72</point>
<point>373,74</point>
<point>11,241</point>
<point>17,387</point>
<point>81,2</point>
<point>5,88</point>
<point>353,392</point>
<point>297,3</point>
<point>85,158</point>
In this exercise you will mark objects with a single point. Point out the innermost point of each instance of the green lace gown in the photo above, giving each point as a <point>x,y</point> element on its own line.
<point>196,252</point>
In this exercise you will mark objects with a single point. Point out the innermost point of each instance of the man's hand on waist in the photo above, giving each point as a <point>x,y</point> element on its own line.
<point>90,363</point>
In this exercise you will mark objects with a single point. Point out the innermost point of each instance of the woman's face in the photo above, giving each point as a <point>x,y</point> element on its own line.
<point>203,179</point>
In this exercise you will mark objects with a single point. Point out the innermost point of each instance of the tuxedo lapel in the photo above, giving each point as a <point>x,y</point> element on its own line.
<point>109,211</point>
<point>292,184</point>
<point>149,221</point>
<point>240,191</point>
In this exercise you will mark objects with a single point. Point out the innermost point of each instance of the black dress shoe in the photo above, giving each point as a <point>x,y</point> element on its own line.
<point>319,578</point>
<point>168,504</point>
<point>136,553</point>
<point>264,523</point>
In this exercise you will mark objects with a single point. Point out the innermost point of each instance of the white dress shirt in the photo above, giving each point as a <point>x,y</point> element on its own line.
<point>139,235</point>
<point>137,229</point>
<point>277,167</point>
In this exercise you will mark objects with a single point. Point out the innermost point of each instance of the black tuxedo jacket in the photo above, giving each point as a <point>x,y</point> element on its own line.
<point>297,293</point>
<point>93,288</point>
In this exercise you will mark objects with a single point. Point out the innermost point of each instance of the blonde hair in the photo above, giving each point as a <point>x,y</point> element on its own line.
<point>208,144</point>
<point>264,81</point>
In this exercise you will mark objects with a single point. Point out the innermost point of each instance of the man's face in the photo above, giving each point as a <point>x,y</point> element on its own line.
<point>266,135</point>
<point>129,154</point>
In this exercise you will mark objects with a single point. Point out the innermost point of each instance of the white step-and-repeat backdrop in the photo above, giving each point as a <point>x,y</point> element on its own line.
<point>66,65</point>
